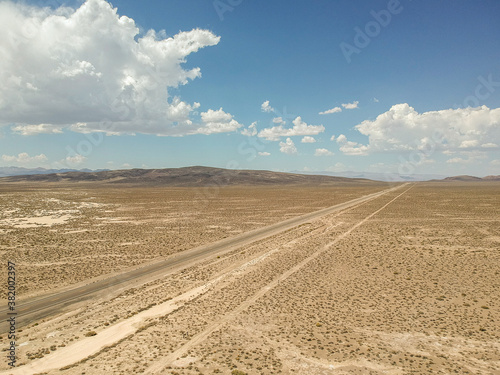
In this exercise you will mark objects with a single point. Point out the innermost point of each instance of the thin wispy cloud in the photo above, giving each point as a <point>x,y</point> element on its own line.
<point>333,110</point>
<point>323,152</point>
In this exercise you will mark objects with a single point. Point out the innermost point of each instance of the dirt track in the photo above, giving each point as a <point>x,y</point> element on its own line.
<point>30,311</point>
<point>402,283</point>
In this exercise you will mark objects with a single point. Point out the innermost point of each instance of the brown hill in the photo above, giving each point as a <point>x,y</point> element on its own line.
<point>492,178</point>
<point>466,178</point>
<point>187,176</point>
<point>462,178</point>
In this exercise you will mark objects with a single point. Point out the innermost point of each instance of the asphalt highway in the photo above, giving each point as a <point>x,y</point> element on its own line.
<point>29,311</point>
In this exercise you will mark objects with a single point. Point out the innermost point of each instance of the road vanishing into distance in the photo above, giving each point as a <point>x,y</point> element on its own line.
<point>32,310</point>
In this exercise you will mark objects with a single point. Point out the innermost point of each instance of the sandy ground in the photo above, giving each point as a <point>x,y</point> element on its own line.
<point>63,236</point>
<point>406,283</point>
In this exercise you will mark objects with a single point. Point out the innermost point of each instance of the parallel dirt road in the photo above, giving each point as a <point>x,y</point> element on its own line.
<point>32,310</point>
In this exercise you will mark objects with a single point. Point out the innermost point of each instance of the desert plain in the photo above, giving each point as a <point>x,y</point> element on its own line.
<point>406,282</point>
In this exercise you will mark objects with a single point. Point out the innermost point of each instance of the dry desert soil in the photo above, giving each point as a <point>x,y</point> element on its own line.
<point>406,282</point>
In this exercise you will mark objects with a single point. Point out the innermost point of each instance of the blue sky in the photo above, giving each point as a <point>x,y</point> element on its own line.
<point>415,84</point>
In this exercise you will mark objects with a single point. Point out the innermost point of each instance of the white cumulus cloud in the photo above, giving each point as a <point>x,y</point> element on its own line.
<point>341,139</point>
<point>350,105</point>
<point>265,107</point>
<point>489,145</point>
<point>288,147</point>
<point>218,122</point>
<point>299,128</point>
<point>24,158</point>
<point>402,128</point>
<point>92,67</point>
<point>333,110</point>
<point>264,153</point>
<point>351,148</point>
<point>251,131</point>
<point>469,143</point>
<point>308,139</point>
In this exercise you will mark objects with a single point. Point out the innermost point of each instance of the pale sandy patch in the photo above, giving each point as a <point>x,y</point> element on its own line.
<point>91,345</point>
<point>35,221</point>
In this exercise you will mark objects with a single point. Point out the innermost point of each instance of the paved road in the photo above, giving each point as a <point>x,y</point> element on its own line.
<point>38,308</point>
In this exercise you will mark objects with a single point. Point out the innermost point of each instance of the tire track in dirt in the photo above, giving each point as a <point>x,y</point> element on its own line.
<point>157,368</point>
<point>91,346</point>
<point>48,305</point>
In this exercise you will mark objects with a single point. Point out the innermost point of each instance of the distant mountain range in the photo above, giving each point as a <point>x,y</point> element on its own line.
<point>471,178</point>
<point>20,171</point>
<point>406,178</point>
<point>187,176</point>
<point>380,176</point>
<point>195,176</point>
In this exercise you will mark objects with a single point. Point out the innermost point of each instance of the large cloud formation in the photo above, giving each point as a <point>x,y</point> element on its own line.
<point>451,130</point>
<point>89,70</point>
